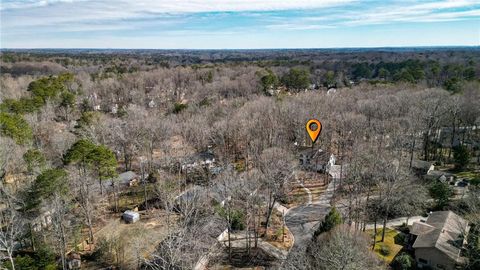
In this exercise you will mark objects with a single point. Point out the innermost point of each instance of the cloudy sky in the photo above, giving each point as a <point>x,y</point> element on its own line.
<point>204,24</point>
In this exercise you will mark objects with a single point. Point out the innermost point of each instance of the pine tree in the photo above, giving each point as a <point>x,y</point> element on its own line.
<point>332,219</point>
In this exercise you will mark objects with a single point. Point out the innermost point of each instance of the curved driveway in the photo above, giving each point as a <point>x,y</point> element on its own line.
<point>303,220</point>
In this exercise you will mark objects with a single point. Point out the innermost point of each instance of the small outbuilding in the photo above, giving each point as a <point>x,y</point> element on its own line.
<point>130,216</point>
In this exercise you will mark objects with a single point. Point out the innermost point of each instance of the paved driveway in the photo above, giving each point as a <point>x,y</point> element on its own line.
<point>303,220</point>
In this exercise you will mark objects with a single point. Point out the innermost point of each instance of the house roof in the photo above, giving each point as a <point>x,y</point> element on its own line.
<point>201,156</point>
<point>123,178</point>
<point>419,228</point>
<point>421,164</point>
<point>322,155</point>
<point>126,177</point>
<point>442,230</point>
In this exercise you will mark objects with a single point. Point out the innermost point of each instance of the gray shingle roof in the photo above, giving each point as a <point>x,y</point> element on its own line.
<point>443,230</point>
<point>421,164</point>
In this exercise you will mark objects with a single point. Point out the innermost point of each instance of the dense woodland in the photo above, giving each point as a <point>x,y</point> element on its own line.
<point>72,121</point>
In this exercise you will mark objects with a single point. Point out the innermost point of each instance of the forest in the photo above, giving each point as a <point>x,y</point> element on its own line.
<point>186,159</point>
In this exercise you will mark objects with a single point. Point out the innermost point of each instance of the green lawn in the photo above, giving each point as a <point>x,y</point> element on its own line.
<point>469,175</point>
<point>390,236</point>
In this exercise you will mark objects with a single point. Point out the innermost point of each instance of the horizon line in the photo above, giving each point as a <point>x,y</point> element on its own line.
<point>260,48</point>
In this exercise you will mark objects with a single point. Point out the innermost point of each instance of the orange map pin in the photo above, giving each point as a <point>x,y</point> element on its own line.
<point>314,127</point>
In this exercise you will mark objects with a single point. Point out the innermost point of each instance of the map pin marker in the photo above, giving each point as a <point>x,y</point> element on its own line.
<point>314,127</point>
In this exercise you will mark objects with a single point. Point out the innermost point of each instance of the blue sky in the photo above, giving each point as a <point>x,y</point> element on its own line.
<point>244,24</point>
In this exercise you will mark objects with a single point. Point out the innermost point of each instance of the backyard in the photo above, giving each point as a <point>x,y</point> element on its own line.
<point>390,247</point>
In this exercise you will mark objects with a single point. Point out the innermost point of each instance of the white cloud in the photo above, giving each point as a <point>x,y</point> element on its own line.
<point>423,12</point>
<point>189,6</point>
<point>191,17</point>
<point>298,26</point>
<point>6,5</point>
<point>412,11</point>
<point>67,12</point>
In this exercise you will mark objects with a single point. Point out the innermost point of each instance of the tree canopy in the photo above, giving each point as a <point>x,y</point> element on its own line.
<point>441,193</point>
<point>47,184</point>
<point>461,156</point>
<point>15,127</point>
<point>297,79</point>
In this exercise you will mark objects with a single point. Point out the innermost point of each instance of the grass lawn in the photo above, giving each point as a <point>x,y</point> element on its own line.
<point>389,242</point>
<point>469,175</point>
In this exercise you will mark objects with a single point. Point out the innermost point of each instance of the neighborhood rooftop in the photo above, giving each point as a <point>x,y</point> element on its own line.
<point>442,230</point>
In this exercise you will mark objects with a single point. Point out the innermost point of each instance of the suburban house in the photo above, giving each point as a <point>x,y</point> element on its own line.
<point>128,179</point>
<point>125,179</point>
<point>200,167</point>
<point>421,167</point>
<point>439,240</point>
<point>202,159</point>
<point>316,160</point>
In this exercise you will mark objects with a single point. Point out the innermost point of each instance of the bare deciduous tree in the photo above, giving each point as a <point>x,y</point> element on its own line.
<point>343,248</point>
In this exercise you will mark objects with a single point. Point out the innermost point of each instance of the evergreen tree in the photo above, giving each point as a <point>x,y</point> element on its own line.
<point>441,193</point>
<point>403,262</point>
<point>461,157</point>
<point>34,158</point>
<point>48,183</point>
<point>269,81</point>
<point>332,219</point>
<point>15,127</point>
<point>297,79</point>
<point>80,153</point>
<point>98,158</point>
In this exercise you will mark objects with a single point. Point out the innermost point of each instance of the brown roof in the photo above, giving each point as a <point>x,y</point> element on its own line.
<point>443,230</point>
